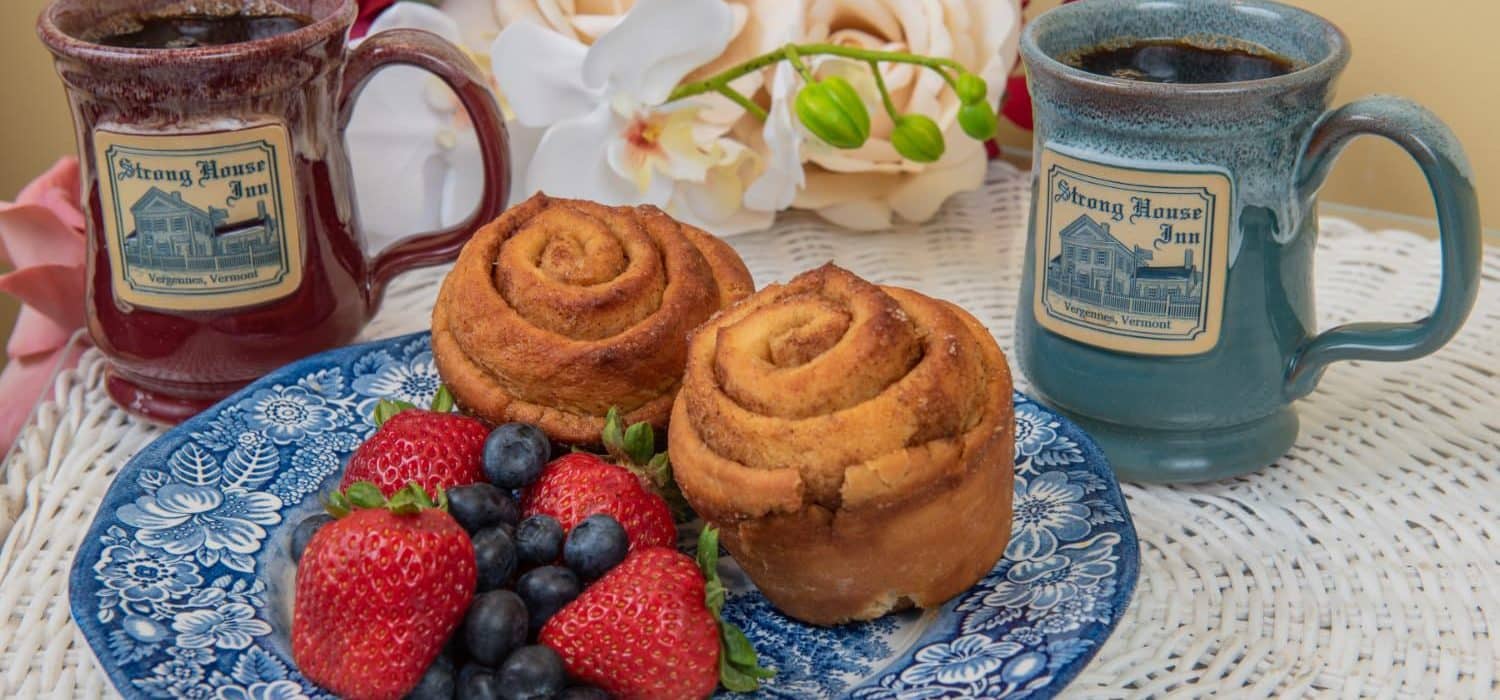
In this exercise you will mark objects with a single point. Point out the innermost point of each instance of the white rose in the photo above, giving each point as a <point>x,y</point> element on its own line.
<point>865,188</point>
<point>581,20</point>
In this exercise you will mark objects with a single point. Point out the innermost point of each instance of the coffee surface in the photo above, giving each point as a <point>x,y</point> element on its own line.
<point>1177,61</point>
<point>186,31</point>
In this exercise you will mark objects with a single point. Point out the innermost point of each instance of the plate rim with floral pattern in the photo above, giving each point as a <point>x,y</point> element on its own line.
<point>181,585</point>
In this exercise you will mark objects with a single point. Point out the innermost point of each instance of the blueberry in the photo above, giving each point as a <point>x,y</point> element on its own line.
<point>539,540</point>
<point>583,692</point>
<point>468,670</point>
<point>305,531</point>
<point>545,591</point>
<point>494,557</point>
<point>514,455</point>
<point>455,650</point>
<point>495,626</point>
<point>595,546</point>
<point>532,673</point>
<point>476,682</point>
<point>478,506</point>
<point>437,683</point>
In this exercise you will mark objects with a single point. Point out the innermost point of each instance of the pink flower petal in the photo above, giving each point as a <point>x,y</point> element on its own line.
<point>32,234</point>
<point>35,334</point>
<point>64,204</point>
<point>55,292</point>
<point>23,382</point>
<point>63,175</point>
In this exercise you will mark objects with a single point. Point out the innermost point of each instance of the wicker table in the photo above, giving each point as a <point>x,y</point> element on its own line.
<point>1365,562</point>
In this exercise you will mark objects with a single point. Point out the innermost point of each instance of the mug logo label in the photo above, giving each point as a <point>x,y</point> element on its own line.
<point>200,222</point>
<point>1131,259</point>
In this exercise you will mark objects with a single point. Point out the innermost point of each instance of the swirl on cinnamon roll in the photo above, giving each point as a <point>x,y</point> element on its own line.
<point>853,442</point>
<point>560,309</point>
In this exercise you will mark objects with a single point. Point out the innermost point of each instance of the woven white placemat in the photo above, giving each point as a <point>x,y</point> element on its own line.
<point>1365,562</point>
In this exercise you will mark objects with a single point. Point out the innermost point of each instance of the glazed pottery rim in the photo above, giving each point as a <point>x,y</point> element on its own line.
<point>1324,69</point>
<point>62,43</point>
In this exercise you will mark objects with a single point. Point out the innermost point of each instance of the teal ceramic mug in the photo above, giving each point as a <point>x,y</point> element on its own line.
<point>1167,303</point>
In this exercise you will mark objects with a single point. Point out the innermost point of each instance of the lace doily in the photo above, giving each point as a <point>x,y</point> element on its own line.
<point>1365,562</point>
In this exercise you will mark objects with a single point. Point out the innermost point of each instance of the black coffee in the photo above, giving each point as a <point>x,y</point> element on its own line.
<point>1175,61</point>
<point>191,30</point>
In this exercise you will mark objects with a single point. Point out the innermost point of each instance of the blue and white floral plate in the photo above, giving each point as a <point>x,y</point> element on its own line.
<point>183,584</point>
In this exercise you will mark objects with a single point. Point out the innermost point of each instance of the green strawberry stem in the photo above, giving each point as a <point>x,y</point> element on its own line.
<point>386,408</point>
<point>442,402</point>
<point>739,667</point>
<point>337,504</point>
<point>363,495</point>
<point>635,449</point>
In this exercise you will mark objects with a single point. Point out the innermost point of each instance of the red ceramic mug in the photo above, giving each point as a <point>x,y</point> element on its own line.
<point>223,239</point>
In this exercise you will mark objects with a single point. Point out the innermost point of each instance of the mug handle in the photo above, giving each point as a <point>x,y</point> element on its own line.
<point>1433,146</point>
<point>429,52</point>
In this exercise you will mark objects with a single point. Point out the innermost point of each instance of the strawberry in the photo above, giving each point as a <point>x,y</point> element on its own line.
<point>652,628</point>
<point>634,447</point>
<point>379,591</point>
<point>436,449</point>
<point>578,485</point>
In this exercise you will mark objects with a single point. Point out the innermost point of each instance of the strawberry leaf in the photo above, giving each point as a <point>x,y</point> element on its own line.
<point>365,495</point>
<point>635,449</point>
<point>741,653</point>
<point>413,499</point>
<point>442,401</point>
<point>640,443</point>
<point>385,408</point>
<point>337,505</point>
<point>613,435</point>
<point>708,553</point>
<point>732,678</point>
<point>658,473</point>
<point>739,667</point>
<point>405,502</point>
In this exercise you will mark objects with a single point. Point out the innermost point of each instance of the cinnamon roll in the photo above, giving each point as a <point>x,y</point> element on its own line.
<point>560,309</point>
<point>853,442</point>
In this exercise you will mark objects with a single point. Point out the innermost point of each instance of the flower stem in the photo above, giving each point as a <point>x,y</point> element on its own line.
<point>885,95</point>
<point>796,61</point>
<point>793,52</point>
<point>746,103</point>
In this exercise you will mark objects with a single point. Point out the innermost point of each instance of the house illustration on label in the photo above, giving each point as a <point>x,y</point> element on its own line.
<point>1096,267</point>
<point>172,234</point>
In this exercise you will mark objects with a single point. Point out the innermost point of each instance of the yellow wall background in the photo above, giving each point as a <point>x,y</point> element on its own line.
<point>1437,53</point>
<point>1434,52</point>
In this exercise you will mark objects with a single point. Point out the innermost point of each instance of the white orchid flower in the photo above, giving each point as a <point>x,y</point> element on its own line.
<point>608,137</point>
<point>778,185</point>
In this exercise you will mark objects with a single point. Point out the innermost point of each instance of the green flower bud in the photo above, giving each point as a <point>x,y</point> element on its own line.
<point>970,88</point>
<point>978,121</point>
<point>833,112</point>
<point>917,138</point>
